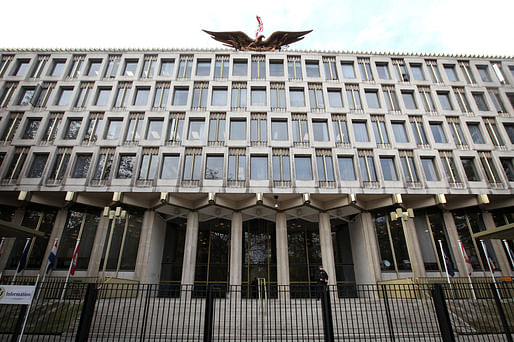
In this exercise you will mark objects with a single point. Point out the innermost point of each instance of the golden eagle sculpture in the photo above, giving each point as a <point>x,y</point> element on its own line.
<point>240,40</point>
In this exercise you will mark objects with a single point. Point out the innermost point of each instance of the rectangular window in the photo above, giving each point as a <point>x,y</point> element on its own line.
<point>475,132</point>
<point>508,168</point>
<point>221,67</point>
<point>450,72</point>
<point>438,132</point>
<point>408,166</point>
<point>433,70</point>
<point>214,167</point>
<point>185,66</point>
<point>367,166</point>
<point>26,95</point>
<point>277,96</point>
<point>17,161</point>
<point>297,97</point>
<point>372,98</point>
<point>217,127</point>
<point>340,129</point>
<point>126,166</point>
<point>141,96</point>
<point>258,67</point>
<point>329,64</point>
<point>135,128</point>
<point>281,165</point>
<point>390,98</point>
<point>490,169</point>
<point>276,67</point>
<point>31,127</point>
<point>176,127</point>
<point>38,165</point>
<point>429,168</point>
<point>94,127</point>
<point>21,67</point>
<point>360,131</point>
<point>494,94</point>
<point>72,129</point>
<point>510,131</point>
<point>402,75</point>
<point>480,101</point>
<point>130,67</point>
<point>457,133</point>
<point>365,69</point>
<point>64,97</point>
<point>170,166</point>
<point>57,67</point>
<point>148,168</point>
<point>93,67</point>
<point>383,71</point>
<point>466,70</point>
<point>60,165</point>
<point>492,130</point>
<point>312,68</point>
<point>52,126</point>
<point>180,96</point>
<point>203,67</point>
<point>123,95</point>
<point>154,131</point>
<point>418,130</point>
<point>219,96</point>
<point>239,96</point>
<point>162,92</point>
<point>462,100</point>
<point>498,72</point>
<point>348,69</point>
<point>7,93</point>
<point>149,63</point>
<point>408,99</point>
<point>240,67</point>
<point>299,128</point>
<point>346,168</point>
<point>320,130</point>
<point>167,67</point>
<point>353,96</point>
<point>112,66</point>
<point>42,94</point>
<point>236,165</point>
<point>417,72</point>
<point>450,169</point>
<point>113,129</point>
<point>102,96</point>
<point>237,129</point>
<point>258,96</point>
<point>470,170</point>
<point>294,68</point>
<point>279,130</point>
<point>325,167</point>
<point>444,100</point>
<point>258,128</point>
<point>335,99</point>
<point>303,167</point>
<point>200,95</point>
<point>196,129</point>
<point>258,167</point>
<point>400,135</point>
<point>81,168</point>
<point>388,168</point>
<point>379,129</point>
<point>483,71</point>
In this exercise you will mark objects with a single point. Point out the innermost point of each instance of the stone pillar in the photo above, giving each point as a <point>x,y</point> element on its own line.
<point>236,249</point>
<point>98,246</point>
<point>282,249</point>
<point>189,263</point>
<point>365,254</point>
<point>415,256</point>
<point>503,260</point>
<point>6,252</point>
<point>57,229</point>
<point>151,244</point>
<point>453,237</point>
<point>327,248</point>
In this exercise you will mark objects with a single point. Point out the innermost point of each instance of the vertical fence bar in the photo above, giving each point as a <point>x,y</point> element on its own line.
<point>208,315</point>
<point>443,316</point>
<point>328,327</point>
<point>497,300</point>
<point>88,310</point>
<point>388,312</point>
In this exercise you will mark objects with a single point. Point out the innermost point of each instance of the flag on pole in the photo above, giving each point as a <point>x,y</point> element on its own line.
<point>23,259</point>
<point>447,262</point>
<point>74,259</point>
<point>52,258</point>
<point>260,28</point>
<point>466,259</point>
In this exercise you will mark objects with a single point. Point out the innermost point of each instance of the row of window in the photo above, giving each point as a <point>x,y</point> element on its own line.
<point>300,129</point>
<point>215,165</point>
<point>384,98</point>
<point>148,66</point>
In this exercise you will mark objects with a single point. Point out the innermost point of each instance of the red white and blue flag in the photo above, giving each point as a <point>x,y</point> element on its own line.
<point>260,28</point>
<point>75,259</point>
<point>466,259</point>
<point>52,258</point>
<point>23,258</point>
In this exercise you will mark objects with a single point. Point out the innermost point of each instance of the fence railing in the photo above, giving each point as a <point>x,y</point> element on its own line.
<point>107,311</point>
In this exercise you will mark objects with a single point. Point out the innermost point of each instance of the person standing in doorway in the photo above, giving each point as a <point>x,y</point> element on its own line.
<point>322,280</point>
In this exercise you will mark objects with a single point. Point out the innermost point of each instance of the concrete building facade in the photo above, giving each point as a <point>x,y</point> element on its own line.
<point>217,166</point>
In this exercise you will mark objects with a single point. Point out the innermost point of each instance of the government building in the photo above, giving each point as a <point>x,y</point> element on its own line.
<point>215,166</point>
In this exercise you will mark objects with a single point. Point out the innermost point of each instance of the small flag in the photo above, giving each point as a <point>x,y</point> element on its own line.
<point>260,28</point>
<point>52,258</point>
<point>23,259</point>
<point>74,259</point>
<point>447,261</point>
<point>466,259</point>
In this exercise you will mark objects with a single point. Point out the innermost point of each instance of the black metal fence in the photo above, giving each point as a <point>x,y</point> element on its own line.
<point>120,312</point>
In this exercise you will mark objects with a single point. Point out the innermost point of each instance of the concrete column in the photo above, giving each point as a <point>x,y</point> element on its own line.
<point>6,252</point>
<point>415,256</point>
<point>236,249</point>
<point>98,246</point>
<point>57,229</point>
<point>327,248</point>
<point>188,266</point>
<point>365,254</point>
<point>282,249</point>
<point>453,237</point>
<point>503,260</point>
<point>151,244</point>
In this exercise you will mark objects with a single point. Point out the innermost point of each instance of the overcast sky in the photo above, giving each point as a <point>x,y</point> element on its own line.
<point>441,26</point>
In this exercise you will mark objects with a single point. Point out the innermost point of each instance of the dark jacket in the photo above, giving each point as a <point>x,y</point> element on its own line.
<point>323,277</point>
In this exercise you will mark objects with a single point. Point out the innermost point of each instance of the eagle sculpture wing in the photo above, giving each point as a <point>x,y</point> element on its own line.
<point>236,39</point>
<point>281,38</point>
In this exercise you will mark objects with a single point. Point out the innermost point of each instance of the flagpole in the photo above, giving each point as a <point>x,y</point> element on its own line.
<point>467,272</point>
<point>508,252</point>
<point>69,270</point>
<point>490,267</point>
<point>2,243</point>
<point>27,313</point>
<point>444,260</point>
<point>17,267</point>
<point>46,271</point>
